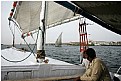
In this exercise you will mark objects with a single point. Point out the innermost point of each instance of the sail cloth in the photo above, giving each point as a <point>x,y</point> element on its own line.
<point>27,14</point>
<point>58,42</point>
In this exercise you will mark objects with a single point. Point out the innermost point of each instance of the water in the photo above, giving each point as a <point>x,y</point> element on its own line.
<point>111,55</point>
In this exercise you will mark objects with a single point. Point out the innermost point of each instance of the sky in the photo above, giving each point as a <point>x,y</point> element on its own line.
<point>70,30</point>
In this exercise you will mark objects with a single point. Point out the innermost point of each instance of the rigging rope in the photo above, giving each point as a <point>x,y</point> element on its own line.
<point>83,37</point>
<point>16,61</point>
<point>26,43</point>
<point>34,44</point>
<point>25,57</point>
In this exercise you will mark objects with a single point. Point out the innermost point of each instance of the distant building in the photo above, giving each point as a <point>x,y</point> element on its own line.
<point>101,43</point>
<point>74,43</point>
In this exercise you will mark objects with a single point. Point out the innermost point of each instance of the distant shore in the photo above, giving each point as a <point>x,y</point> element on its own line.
<point>65,44</point>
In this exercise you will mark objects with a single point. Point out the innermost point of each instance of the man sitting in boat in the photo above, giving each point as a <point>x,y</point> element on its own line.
<point>97,70</point>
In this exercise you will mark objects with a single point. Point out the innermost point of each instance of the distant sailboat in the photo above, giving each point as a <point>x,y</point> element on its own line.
<point>58,42</point>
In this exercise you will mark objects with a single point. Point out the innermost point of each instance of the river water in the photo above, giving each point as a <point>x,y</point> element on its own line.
<point>111,55</point>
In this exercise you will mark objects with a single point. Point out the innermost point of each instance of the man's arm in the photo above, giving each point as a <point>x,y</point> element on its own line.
<point>95,74</point>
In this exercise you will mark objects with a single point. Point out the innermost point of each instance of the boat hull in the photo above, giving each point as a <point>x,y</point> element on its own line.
<point>44,71</point>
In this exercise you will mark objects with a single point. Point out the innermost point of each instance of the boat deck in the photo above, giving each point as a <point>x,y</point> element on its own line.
<point>14,54</point>
<point>29,69</point>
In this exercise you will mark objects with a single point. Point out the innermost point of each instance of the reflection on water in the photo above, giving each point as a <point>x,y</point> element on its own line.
<point>111,55</point>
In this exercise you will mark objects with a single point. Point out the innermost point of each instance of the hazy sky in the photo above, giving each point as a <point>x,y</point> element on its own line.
<point>70,30</point>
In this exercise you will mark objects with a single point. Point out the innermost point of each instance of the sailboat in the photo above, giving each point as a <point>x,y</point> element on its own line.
<point>35,17</point>
<point>58,42</point>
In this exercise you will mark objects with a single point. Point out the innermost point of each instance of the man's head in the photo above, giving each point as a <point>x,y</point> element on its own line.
<point>84,54</point>
<point>90,54</point>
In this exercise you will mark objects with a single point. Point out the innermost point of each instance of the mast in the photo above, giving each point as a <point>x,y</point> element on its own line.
<point>11,15</point>
<point>14,37</point>
<point>83,38</point>
<point>41,39</point>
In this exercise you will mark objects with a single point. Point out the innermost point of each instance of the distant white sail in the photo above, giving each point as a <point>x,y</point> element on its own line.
<point>58,42</point>
<point>27,15</point>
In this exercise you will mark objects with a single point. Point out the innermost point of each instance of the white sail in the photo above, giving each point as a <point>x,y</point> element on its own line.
<point>27,14</point>
<point>58,42</point>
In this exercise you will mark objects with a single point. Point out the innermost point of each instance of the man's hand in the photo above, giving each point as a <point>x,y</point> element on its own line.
<point>77,79</point>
